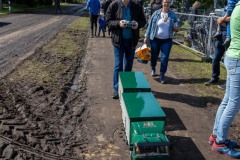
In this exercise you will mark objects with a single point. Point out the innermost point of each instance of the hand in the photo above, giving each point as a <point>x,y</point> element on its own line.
<point>121,23</point>
<point>145,40</point>
<point>175,27</point>
<point>136,26</point>
<point>220,20</point>
<point>223,24</point>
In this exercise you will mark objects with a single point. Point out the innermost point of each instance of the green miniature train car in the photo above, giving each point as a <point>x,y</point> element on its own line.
<point>144,122</point>
<point>132,82</point>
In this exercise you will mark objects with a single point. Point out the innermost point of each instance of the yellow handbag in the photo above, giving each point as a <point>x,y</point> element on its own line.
<point>143,54</point>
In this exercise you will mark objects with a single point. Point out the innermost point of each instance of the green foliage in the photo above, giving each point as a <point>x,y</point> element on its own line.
<point>206,5</point>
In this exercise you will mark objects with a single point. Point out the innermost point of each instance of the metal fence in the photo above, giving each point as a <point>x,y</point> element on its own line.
<point>196,32</point>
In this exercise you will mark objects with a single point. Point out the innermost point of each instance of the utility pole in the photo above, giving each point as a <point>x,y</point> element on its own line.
<point>1,5</point>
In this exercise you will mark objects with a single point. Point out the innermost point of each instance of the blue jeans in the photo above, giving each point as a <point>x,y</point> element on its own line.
<point>229,106</point>
<point>217,56</point>
<point>125,53</point>
<point>163,45</point>
<point>228,30</point>
<point>101,28</point>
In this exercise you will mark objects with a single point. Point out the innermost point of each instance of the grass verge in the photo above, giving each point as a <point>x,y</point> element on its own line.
<point>192,71</point>
<point>54,59</point>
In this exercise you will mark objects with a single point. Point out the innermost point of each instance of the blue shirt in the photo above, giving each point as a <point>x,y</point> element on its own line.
<point>94,6</point>
<point>127,32</point>
<point>231,5</point>
<point>101,21</point>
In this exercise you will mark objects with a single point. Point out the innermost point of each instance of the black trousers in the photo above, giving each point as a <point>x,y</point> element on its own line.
<point>93,21</point>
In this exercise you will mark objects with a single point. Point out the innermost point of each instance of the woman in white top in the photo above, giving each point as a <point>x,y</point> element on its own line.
<point>159,32</point>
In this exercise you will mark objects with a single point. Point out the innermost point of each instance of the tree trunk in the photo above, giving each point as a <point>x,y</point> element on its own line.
<point>1,5</point>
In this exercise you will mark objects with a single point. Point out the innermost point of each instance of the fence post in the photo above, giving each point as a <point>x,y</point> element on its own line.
<point>208,58</point>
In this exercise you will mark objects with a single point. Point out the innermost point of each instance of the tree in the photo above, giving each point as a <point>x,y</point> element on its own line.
<point>1,5</point>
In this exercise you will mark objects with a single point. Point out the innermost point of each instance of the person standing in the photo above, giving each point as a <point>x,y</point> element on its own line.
<point>105,8</point>
<point>58,6</point>
<point>229,106</point>
<point>94,6</point>
<point>124,37</point>
<point>102,25</point>
<point>230,6</point>
<point>155,5</point>
<point>160,32</point>
<point>185,6</point>
<point>193,10</point>
<point>219,51</point>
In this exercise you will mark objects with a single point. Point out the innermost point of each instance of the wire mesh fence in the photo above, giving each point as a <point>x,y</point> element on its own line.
<point>196,32</point>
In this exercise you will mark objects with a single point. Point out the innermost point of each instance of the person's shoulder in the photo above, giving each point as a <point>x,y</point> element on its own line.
<point>115,2</point>
<point>171,11</point>
<point>158,11</point>
<point>134,2</point>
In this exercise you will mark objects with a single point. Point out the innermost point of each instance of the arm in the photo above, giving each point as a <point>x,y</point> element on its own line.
<point>88,4</point>
<point>105,7</point>
<point>111,19</point>
<point>175,25</point>
<point>148,31</point>
<point>231,5</point>
<point>227,19</point>
<point>222,19</point>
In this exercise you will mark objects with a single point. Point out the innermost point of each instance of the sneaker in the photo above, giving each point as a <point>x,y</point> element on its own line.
<point>223,87</point>
<point>226,43</point>
<point>162,78</point>
<point>224,149</point>
<point>211,139</point>
<point>163,82</point>
<point>211,81</point>
<point>91,36</point>
<point>153,73</point>
<point>115,95</point>
<point>217,35</point>
<point>229,143</point>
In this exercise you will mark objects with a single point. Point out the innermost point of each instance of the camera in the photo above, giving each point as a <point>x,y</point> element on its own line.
<point>129,24</point>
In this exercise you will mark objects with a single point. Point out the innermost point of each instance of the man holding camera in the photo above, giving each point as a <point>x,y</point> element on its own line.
<point>124,18</point>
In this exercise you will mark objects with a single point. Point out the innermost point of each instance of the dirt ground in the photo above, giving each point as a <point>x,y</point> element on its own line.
<point>189,122</point>
<point>64,109</point>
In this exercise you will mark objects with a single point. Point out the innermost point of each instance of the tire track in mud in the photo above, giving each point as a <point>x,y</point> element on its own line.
<point>49,120</point>
<point>25,39</point>
<point>41,118</point>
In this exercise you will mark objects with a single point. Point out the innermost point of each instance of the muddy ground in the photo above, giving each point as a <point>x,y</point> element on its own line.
<point>58,106</point>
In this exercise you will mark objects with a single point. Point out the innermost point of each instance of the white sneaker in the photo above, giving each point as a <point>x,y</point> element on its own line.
<point>153,73</point>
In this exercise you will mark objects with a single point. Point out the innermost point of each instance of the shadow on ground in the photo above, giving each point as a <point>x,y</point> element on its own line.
<point>191,100</point>
<point>174,81</point>
<point>181,148</point>
<point>4,24</point>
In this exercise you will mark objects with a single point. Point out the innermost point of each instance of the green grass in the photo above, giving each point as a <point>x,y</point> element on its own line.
<point>65,41</point>
<point>190,68</point>
<point>20,8</point>
<point>66,46</point>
